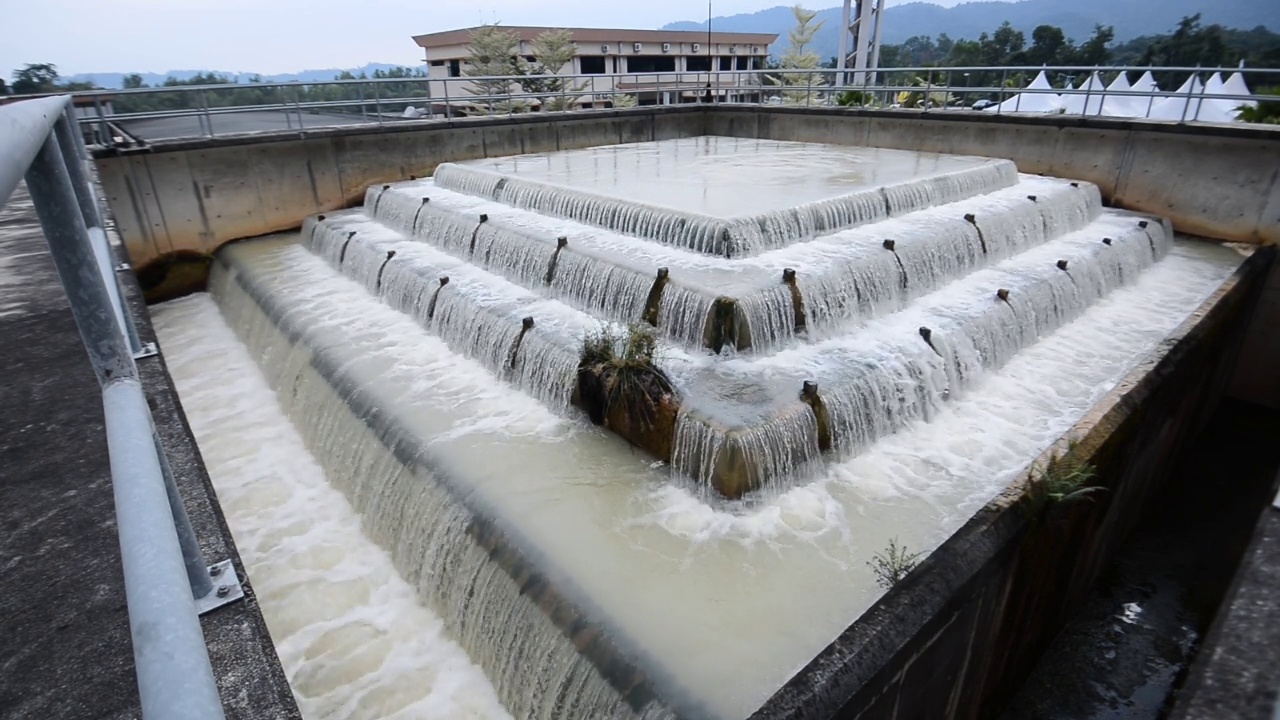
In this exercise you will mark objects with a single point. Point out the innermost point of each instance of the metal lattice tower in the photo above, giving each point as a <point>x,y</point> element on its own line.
<point>860,21</point>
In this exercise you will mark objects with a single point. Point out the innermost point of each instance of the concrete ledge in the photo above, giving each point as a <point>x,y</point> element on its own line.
<point>955,638</point>
<point>66,641</point>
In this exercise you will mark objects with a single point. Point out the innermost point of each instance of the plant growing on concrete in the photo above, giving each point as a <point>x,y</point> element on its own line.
<point>624,100</point>
<point>620,371</point>
<point>855,98</point>
<point>1064,478</point>
<point>893,564</point>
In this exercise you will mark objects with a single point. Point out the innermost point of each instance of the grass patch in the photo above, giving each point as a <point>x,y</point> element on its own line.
<point>625,367</point>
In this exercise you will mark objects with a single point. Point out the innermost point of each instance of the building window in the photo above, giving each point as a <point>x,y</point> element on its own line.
<point>726,63</point>
<point>437,63</point>
<point>455,68</point>
<point>698,63</point>
<point>757,63</point>
<point>651,63</point>
<point>592,64</point>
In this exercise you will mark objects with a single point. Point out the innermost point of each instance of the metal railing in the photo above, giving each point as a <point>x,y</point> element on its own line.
<point>211,110</point>
<point>167,583</point>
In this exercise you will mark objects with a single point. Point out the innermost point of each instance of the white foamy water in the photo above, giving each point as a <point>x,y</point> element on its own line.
<point>351,634</point>
<point>727,600</point>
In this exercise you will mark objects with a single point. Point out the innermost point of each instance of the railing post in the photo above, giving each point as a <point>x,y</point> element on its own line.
<point>70,146</point>
<point>208,118</point>
<point>1187,105</point>
<point>103,127</point>
<point>377,102</point>
<point>297,107</point>
<point>175,679</point>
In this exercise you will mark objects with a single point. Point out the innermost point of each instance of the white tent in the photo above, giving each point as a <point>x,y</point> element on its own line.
<point>1122,105</point>
<point>1147,84</point>
<point>1234,85</point>
<point>1088,101</point>
<point>1034,102</point>
<point>1183,104</point>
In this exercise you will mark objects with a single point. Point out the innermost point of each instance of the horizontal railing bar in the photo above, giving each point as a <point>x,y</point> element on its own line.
<point>175,677</point>
<point>23,129</point>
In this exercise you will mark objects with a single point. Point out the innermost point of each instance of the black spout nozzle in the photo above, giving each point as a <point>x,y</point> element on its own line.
<point>1062,264</point>
<point>1106,241</point>
<point>890,245</point>
<point>484,218</point>
<point>971,218</point>
<point>320,218</point>
<point>1003,294</point>
<point>788,275</point>
<point>391,254</point>
<point>351,234</point>
<point>1032,198</point>
<point>444,280</point>
<point>1142,224</point>
<point>562,242</point>
<point>426,200</point>
<point>386,187</point>
<point>927,334</point>
<point>809,390</point>
<point>527,323</point>
<point>1075,184</point>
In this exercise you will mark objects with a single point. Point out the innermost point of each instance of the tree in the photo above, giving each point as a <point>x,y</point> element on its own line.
<point>552,51</point>
<point>492,52</point>
<point>1093,51</point>
<point>133,82</point>
<point>1047,46</point>
<point>800,56</point>
<point>4,88</point>
<point>35,78</point>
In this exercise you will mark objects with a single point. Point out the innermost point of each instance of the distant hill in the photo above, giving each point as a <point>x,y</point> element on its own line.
<point>1131,18</point>
<point>116,79</point>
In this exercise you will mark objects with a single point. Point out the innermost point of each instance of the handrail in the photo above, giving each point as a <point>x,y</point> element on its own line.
<point>305,105</point>
<point>164,573</point>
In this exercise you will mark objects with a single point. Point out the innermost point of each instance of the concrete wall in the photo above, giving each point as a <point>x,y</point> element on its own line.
<point>190,197</point>
<point>193,196</point>
<point>1220,182</point>
<point>955,638</point>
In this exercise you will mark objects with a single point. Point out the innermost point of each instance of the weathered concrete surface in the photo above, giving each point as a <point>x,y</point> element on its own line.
<point>193,196</point>
<point>1257,379</point>
<point>64,644</point>
<point>956,638</point>
<point>1220,182</point>
<point>1237,674</point>
<point>1124,652</point>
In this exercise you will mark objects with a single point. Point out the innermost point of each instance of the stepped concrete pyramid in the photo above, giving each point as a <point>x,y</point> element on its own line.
<point>806,299</point>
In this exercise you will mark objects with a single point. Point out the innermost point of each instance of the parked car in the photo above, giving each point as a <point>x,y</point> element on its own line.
<point>982,104</point>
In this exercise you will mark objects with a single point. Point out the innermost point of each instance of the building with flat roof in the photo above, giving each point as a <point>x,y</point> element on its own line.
<point>657,67</point>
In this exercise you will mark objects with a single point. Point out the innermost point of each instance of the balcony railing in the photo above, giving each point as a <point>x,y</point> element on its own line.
<point>109,114</point>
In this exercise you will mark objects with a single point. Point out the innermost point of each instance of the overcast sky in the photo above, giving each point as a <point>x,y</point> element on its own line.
<point>276,36</point>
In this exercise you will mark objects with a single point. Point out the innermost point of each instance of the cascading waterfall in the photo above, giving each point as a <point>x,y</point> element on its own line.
<point>459,561</point>
<point>477,314</point>
<point>959,235</point>
<point>727,237</point>
<point>901,367</point>
<point>864,273</point>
